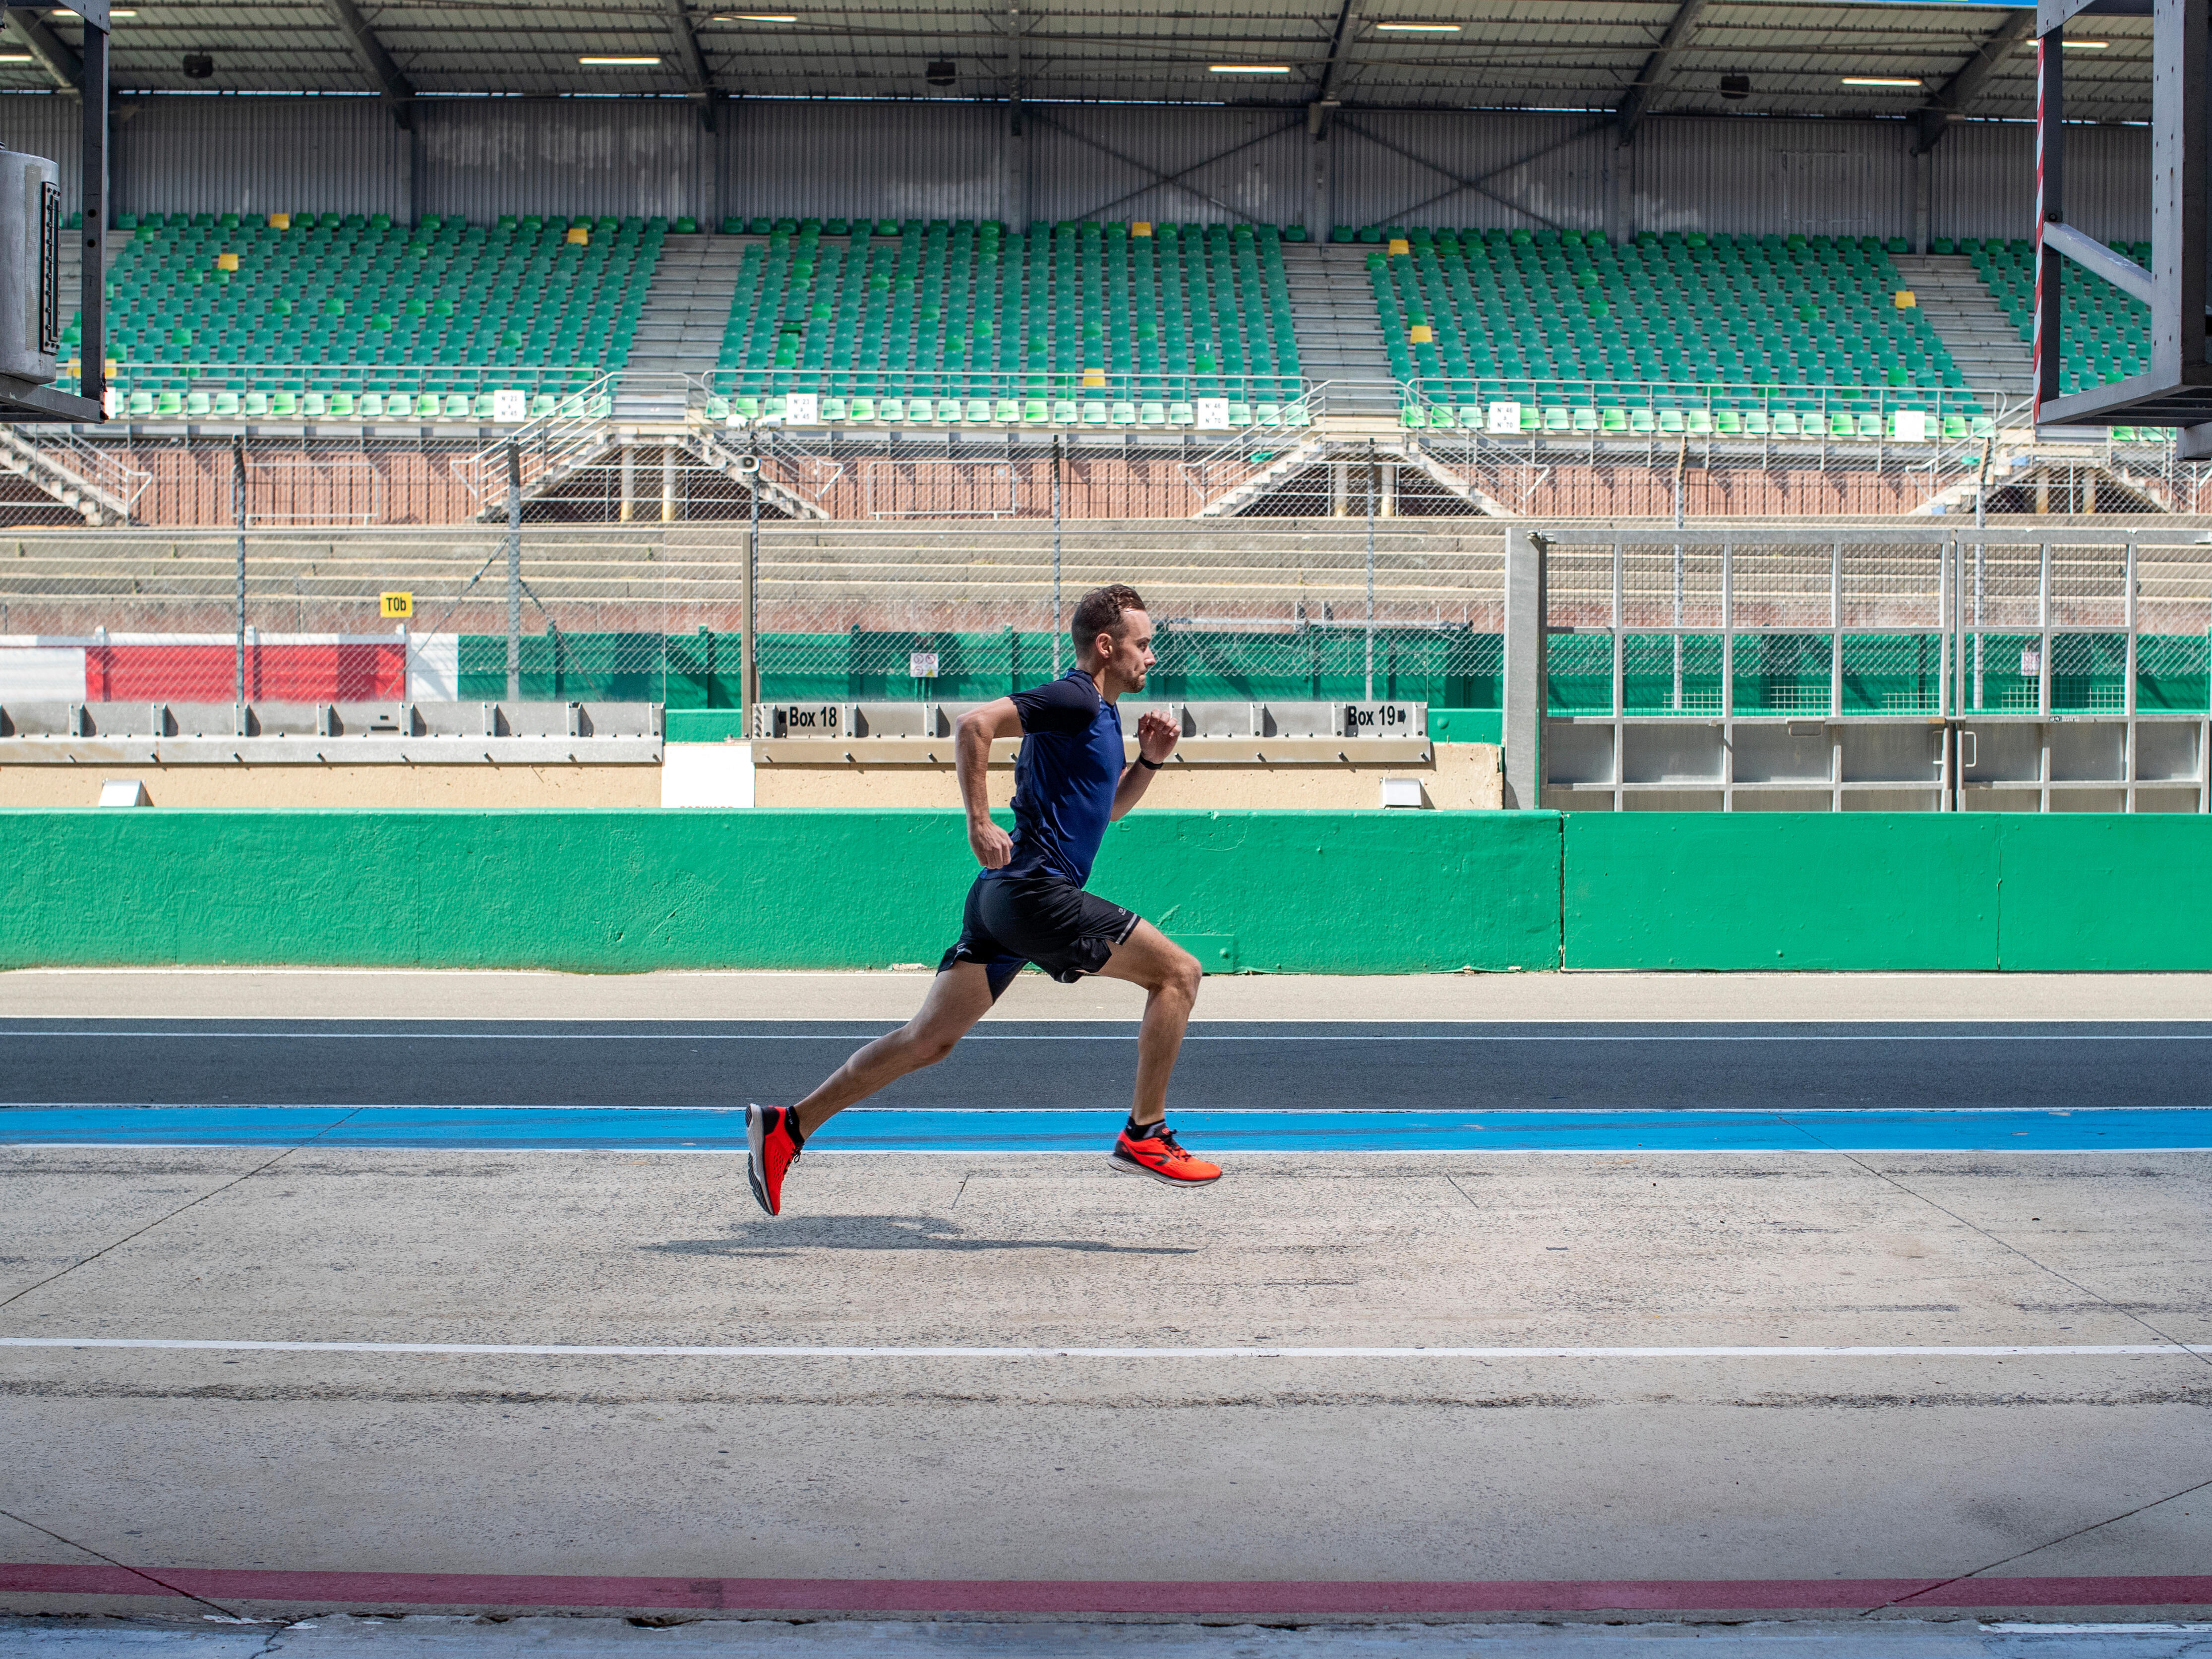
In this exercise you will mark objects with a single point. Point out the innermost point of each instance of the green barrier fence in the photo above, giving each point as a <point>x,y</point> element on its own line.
<point>1449,667</point>
<point>1881,674</point>
<point>1774,673</point>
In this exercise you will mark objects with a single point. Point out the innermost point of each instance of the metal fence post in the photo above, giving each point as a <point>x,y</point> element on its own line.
<point>748,641</point>
<point>1525,669</point>
<point>1056,444</point>
<point>1370,692</point>
<point>238,513</point>
<point>514,573</point>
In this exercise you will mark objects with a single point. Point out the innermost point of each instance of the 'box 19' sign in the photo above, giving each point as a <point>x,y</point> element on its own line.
<point>1382,719</point>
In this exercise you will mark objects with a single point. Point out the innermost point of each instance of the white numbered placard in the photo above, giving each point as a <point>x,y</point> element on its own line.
<point>1910,426</point>
<point>1210,411</point>
<point>510,405</point>
<point>1505,417</point>
<point>802,407</point>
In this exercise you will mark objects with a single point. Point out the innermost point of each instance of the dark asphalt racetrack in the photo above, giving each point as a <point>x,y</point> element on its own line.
<point>1276,1066</point>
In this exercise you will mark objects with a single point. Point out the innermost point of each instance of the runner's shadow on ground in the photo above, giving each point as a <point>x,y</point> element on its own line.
<point>883,1232</point>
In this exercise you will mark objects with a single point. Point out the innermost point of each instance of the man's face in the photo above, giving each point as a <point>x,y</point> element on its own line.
<point>1131,658</point>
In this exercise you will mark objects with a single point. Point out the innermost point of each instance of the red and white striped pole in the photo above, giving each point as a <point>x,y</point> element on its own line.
<point>2048,99</point>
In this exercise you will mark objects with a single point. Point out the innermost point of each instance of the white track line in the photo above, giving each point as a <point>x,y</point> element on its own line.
<point>562,1351</point>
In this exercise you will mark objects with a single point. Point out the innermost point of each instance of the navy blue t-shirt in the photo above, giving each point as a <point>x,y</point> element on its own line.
<point>1071,764</point>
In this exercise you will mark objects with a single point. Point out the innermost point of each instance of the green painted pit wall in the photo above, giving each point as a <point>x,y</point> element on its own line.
<point>1875,890</point>
<point>618,891</point>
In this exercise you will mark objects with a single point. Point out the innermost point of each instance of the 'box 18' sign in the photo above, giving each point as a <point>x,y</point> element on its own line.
<point>801,720</point>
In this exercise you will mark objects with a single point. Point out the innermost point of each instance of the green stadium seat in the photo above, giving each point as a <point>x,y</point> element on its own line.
<point>376,294</point>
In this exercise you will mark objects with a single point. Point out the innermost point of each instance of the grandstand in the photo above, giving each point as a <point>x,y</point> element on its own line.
<point>350,317</point>
<point>829,398</point>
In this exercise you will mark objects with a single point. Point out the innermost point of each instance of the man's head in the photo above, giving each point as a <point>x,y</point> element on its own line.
<point>1113,638</point>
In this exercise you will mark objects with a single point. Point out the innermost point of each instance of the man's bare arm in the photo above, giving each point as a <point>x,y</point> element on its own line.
<point>1156,741</point>
<point>971,756</point>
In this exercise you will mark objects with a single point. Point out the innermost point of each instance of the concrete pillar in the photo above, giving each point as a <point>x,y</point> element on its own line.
<point>1621,201</point>
<point>1525,669</point>
<point>1015,209</point>
<point>1340,488</point>
<point>1387,504</point>
<point>668,484</point>
<point>1321,203</point>
<point>628,482</point>
<point>1923,189</point>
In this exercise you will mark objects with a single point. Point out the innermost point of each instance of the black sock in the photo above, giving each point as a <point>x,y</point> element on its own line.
<point>790,1122</point>
<point>1137,1131</point>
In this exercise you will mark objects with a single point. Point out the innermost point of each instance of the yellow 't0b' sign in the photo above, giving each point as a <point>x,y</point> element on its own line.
<point>398,604</point>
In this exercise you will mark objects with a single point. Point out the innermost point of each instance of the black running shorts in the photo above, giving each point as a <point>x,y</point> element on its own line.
<point>1012,919</point>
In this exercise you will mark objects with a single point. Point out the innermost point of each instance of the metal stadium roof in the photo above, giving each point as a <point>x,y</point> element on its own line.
<point>1640,56</point>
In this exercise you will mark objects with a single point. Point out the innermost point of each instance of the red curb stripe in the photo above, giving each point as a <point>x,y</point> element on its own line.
<point>1261,1597</point>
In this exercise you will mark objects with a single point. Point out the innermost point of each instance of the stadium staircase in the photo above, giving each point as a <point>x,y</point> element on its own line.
<point>1967,317</point>
<point>1340,333</point>
<point>680,332</point>
<point>78,475</point>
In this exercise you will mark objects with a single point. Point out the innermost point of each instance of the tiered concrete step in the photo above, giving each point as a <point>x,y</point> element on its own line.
<point>1340,332</point>
<point>680,330</point>
<point>1965,317</point>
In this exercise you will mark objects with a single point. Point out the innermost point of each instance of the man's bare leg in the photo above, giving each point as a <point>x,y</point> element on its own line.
<point>959,997</point>
<point>1170,975</point>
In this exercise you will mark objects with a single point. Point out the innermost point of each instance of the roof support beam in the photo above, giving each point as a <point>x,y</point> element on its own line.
<point>1934,118</point>
<point>1325,99</point>
<point>693,62</point>
<point>51,51</point>
<point>396,89</point>
<point>1653,76</point>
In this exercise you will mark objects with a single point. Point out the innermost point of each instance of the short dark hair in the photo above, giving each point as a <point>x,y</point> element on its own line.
<point>1099,611</point>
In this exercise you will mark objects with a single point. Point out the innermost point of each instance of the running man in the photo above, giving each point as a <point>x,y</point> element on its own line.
<point>1028,904</point>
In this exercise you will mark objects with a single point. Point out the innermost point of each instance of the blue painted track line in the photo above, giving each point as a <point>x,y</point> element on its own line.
<point>527,1128</point>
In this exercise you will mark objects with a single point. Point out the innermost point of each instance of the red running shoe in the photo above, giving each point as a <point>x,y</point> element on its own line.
<point>771,1148</point>
<point>1157,1154</point>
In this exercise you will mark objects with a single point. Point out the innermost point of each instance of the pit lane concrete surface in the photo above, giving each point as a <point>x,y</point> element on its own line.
<point>1362,1385</point>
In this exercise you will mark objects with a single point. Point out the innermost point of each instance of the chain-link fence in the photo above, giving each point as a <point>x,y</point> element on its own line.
<point>274,616</point>
<point>658,613</point>
<point>1932,624</point>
